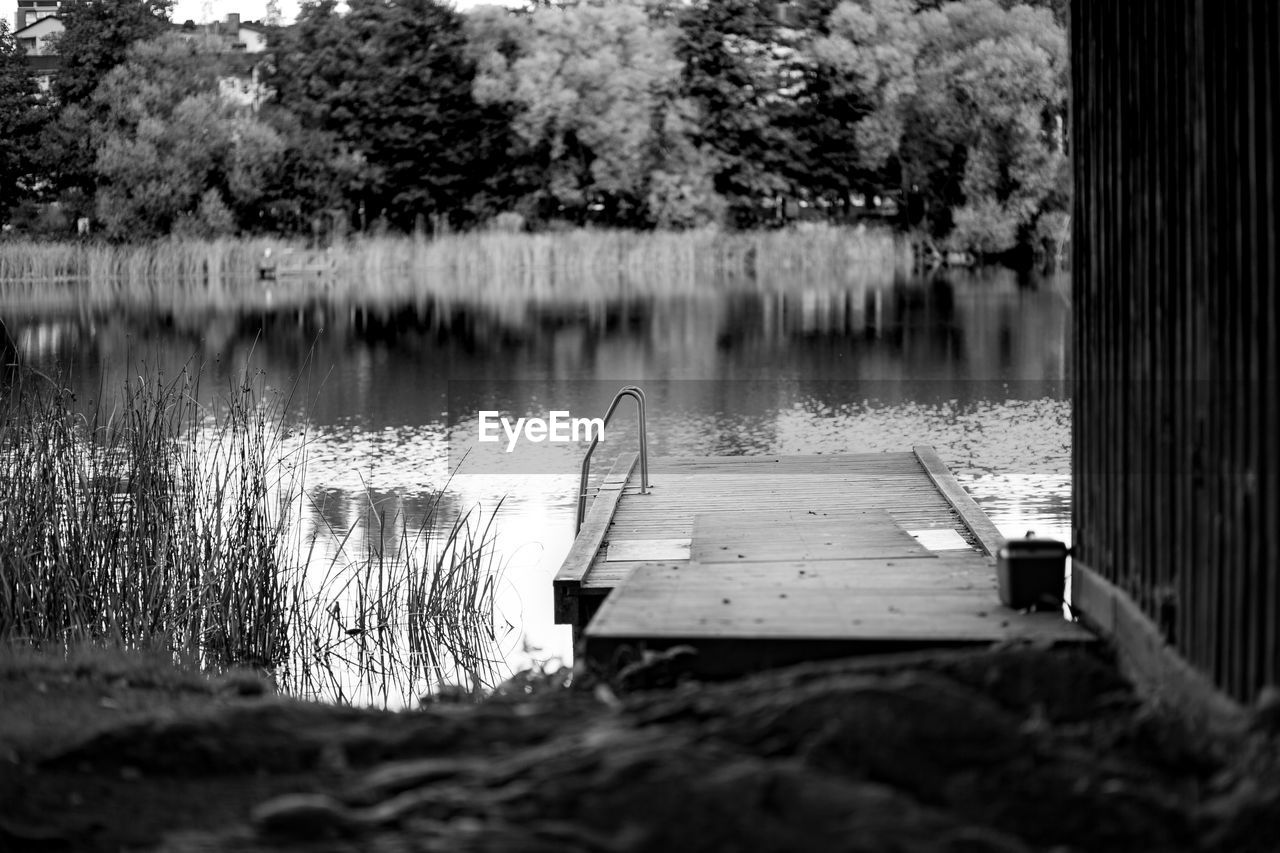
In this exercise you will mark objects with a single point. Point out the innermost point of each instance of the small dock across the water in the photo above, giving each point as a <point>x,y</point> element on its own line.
<point>768,560</point>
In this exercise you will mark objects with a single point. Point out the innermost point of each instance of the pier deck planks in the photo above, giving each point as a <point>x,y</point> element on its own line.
<point>789,558</point>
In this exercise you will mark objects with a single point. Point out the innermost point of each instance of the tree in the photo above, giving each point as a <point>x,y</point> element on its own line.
<point>65,158</point>
<point>979,137</point>
<point>868,57</point>
<point>273,18</point>
<point>594,94</point>
<point>21,118</point>
<point>392,82</point>
<point>495,39</point>
<point>314,176</point>
<point>97,37</point>
<point>743,72</point>
<point>173,155</point>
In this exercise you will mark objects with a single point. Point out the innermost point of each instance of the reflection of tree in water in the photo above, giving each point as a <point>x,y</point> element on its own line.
<point>386,365</point>
<point>874,333</point>
<point>375,518</point>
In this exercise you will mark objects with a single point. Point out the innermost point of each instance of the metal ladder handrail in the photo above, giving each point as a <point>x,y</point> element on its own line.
<point>635,393</point>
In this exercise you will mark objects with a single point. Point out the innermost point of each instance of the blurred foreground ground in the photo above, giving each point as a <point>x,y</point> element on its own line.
<point>999,750</point>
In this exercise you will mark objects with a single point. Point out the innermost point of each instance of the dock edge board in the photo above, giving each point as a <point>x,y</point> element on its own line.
<point>586,544</point>
<point>989,538</point>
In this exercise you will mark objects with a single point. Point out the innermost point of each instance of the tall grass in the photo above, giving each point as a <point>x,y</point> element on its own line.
<point>159,521</point>
<point>111,269</point>
<point>484,266</point>
<point>116,526</point>
<point>399,610</point>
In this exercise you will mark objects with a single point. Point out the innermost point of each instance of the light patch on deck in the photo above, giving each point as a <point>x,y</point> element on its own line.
<point>647,550</point>
<point>941,539</point>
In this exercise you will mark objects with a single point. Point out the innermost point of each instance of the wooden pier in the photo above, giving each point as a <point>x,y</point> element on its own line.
<point>763,561</point>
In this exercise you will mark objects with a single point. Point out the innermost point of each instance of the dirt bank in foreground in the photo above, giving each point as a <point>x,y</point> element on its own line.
<point>1001,750</point>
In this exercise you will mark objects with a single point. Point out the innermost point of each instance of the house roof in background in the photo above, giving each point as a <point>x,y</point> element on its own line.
<point>44,26</point>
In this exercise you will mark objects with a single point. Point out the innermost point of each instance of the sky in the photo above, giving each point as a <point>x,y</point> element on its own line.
<point>202,11</point>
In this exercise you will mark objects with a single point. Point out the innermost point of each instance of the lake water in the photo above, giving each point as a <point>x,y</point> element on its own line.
<point>974,364</point>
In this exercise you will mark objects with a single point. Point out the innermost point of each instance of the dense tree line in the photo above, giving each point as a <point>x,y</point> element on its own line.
<point>405,114</point>
<point>21,120</point>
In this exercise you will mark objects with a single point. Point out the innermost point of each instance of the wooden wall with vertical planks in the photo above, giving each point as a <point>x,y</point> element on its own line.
<point>1177,395</point>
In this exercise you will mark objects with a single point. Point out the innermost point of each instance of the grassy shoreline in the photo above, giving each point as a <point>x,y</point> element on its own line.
<point>160,522</point>
<point>579,264</point>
